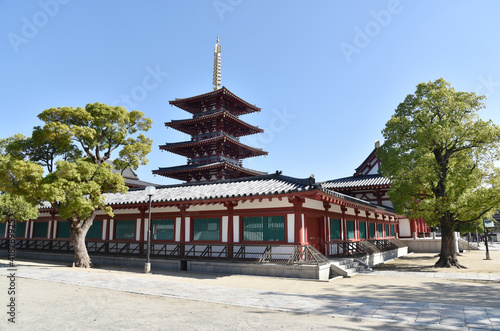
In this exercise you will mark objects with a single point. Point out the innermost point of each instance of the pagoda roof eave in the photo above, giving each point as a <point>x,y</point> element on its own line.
<point>178,147</point>
<point>182,125</point>
<point>180,172</point>
<point>183,102</point>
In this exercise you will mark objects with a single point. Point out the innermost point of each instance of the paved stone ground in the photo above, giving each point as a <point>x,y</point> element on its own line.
<point>406,292</point>
<point>430,274</point>
<point>418,314</point>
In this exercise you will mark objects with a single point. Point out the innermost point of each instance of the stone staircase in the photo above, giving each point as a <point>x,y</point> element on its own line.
<point>465,245</point>
<point>347,267</point>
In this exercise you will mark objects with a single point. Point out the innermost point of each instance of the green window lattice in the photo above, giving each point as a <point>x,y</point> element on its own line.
<point>335,229</point>
<point>264,228</point>
<point>95,231</point>
<point>41,229</point>
<point>162,229</point>
<point>63,229</point>
<point>124,230</point>
<point>362,230</point>
<point>350,230</point>
<point>372,230</point>
<point>206,229</point>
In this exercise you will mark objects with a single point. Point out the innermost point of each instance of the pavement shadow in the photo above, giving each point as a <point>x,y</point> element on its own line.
<point>452,293</point>
<point>49,264</point>
<point>345,323</point>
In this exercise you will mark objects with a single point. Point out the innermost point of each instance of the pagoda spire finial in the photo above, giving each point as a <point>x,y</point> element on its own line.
<point>216,78</point>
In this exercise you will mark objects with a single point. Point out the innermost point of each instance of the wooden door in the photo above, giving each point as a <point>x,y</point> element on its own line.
<point>314,235</point>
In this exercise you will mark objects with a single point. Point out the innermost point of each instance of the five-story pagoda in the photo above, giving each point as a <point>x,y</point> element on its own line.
<point>214,151</point>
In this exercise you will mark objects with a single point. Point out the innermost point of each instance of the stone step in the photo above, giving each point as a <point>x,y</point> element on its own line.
<point>347,267</point>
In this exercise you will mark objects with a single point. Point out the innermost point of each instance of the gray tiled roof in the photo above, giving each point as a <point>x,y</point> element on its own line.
<point>356,182</point>
<point>265,185</point>
<point>138,182</point>
<point>273,184</point>
<point>245,187</point>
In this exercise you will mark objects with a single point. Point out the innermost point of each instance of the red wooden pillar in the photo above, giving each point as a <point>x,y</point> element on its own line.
<point>413,227</point>
<point>29,228</point>
<point>356,225</point>
<point>230,226</point>
<point>142,235</point>
<point>230,223</point>
<point>182,209</point>
<point>299,229</point>
<point>378,194</point>
<point>367,225</point>
<point>326,227</point>
<point>344,224</point>
<point>376,226</point>
<point>54,227</point>
<point>386,221</point>
<point>182,232</point>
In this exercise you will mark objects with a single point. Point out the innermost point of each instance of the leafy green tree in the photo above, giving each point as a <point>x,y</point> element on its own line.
<point>75,187</point>
<point>44,147</point>
<point>440,158</point>
<point>15,208</point>
<point>23,177</point>
<point>75,190</point>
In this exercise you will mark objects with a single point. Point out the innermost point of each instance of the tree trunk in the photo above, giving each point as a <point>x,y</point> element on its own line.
<point>78,231</point>
<point>448,255</point>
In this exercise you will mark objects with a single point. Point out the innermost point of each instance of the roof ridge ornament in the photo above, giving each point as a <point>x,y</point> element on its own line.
<point>217,67</point>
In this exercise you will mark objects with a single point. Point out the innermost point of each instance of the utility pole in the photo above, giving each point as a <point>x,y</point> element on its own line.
<point>486,241</point>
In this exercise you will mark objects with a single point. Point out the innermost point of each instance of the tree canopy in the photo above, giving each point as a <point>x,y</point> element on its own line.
<point>99,130</point>
<point>73,145</point>
<point>440,157</point>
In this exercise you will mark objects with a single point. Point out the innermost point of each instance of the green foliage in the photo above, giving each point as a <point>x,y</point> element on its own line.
<point>18,180</point>
<point>44,147</point>
<point>440,156</point>
<point>471,227</point>
<point>76,188</point>
<point>77,141</point>
<point>16,208</point>
<point>134,153</point>
<point>19,177</point>
<point>73,145</point>
<point>100,129</point>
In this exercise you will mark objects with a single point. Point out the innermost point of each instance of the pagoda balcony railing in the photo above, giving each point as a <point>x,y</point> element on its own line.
<point>210,135</point>
<point>212,159</point>
<point>238,252</point>
<point>206,112</point>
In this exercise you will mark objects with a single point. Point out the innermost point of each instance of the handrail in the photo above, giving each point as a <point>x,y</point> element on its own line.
<point>237,252</point>
<point>360,248</point>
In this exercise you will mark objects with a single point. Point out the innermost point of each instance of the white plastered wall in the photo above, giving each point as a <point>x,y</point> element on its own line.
<point>290,219</point>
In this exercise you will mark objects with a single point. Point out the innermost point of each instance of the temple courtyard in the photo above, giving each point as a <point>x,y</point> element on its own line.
<point>407,292</point>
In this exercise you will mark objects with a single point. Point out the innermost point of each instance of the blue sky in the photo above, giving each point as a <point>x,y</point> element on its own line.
<point>328,75</point>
